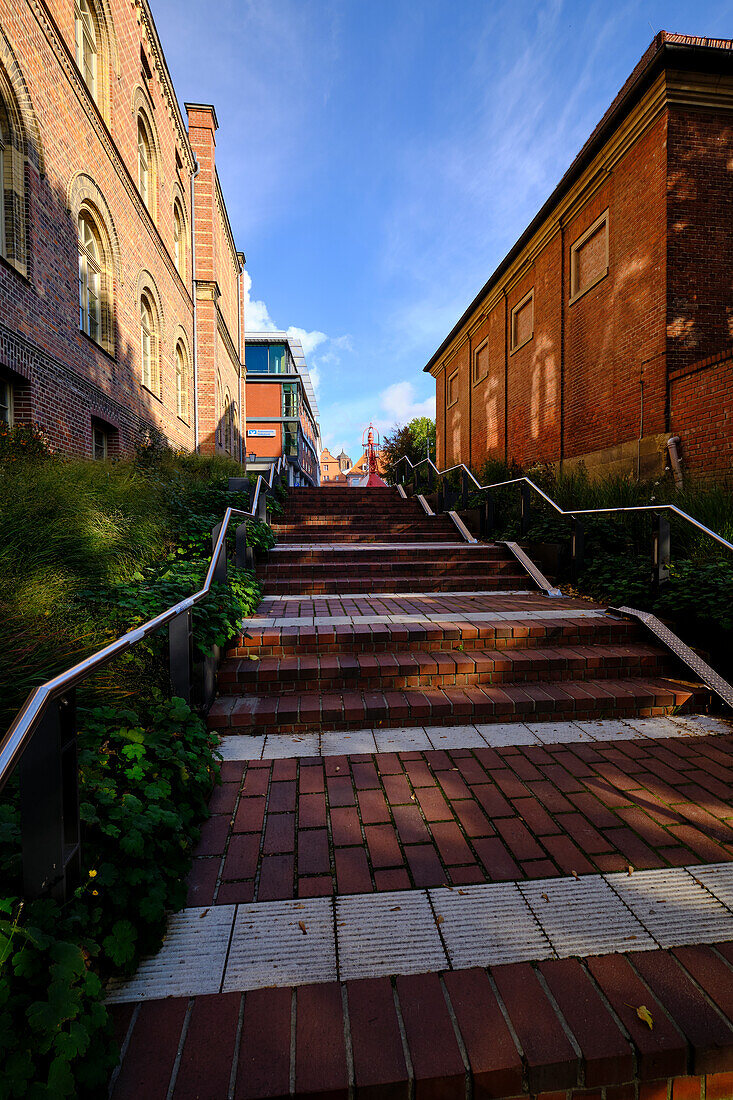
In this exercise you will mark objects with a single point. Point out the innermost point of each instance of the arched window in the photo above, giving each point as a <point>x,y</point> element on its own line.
<point>144,162</point>
<point>3,143</point>
<point>90,278</point>
<point>181,381</point>
<point>149,351</point>
<point>12,182</point>
<point>87,46</point>
<point>179,240</point>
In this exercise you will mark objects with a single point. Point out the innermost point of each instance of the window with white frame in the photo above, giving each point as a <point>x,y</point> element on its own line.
<point>100,442</point>
<point>144,161</point>
<point>6,403</point>
<point>87,50</point>
<point>589,257</point>
<point>179,240</point>
<point>90,278</point>
<point>181,381</point>
<point>149,356</point>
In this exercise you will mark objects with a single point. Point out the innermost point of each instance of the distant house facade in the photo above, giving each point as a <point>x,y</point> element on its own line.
<point>107,332</point>
<point>606,333</point>
<point>282,412</point>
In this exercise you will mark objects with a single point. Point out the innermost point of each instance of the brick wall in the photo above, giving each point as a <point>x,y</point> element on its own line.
<point>645,350</point>
<point>79,154</point>
<point>701,413</point>
<point>219,339</point>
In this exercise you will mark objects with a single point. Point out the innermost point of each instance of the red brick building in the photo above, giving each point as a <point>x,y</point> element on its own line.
<point>101,334</point>
<point>608,327</point>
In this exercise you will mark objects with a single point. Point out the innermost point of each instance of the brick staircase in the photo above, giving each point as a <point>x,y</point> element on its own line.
<point>340,649</point>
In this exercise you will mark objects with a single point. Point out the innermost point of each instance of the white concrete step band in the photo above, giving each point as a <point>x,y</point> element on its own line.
<point>284,943</point>
<point>279,746</point>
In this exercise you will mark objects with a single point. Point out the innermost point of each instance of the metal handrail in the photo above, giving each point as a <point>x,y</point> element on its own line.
<point>18,735</point>
<point>574,511</point>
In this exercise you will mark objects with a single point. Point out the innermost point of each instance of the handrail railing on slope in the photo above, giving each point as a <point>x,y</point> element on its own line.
<point>42,736</point>
<point>661,542</point>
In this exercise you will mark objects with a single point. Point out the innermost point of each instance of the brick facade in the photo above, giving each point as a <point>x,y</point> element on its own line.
<point>70,149</point>
<point>610,372</point>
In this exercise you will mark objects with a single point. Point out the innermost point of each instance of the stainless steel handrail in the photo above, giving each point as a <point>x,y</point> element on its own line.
<point>574,511</point>
<point>16,738</point>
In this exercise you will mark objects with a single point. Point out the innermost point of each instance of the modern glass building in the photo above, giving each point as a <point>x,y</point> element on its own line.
<point>282,412</point>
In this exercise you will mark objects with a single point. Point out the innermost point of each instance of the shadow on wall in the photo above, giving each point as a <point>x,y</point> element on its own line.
<point>95,360</point>
<point>699,212</point>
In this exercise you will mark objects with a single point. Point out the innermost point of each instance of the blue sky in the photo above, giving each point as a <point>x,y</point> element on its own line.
<point>379,157</point>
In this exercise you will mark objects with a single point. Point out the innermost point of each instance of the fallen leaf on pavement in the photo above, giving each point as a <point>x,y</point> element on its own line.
<point>302,927</point>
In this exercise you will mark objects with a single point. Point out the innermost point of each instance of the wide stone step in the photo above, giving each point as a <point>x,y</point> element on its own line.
<point>318,711</point>
<point>369,637</point>
<point>353,583</point>
<point>405,669</point>
<point>344,535</point>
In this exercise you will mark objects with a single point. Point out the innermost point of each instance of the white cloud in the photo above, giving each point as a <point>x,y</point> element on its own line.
<point>309,340</point>
<point>399,404</point>
<point>256,314</point>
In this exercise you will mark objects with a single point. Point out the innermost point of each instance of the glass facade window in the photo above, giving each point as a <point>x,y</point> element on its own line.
<point>256,358</point>
<point>290,399</point>
<point>267,358</point>
<point>290,440</point>
<point>278,359</point>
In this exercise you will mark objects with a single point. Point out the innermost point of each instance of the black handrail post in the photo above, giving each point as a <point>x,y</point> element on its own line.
<point>487,515</point>
<point>180,653</point>
<point>220,569</point>
<point>262,505</point>
<point>241,550</point>
<point>577,547</point>
<point>524,509</point>
<point>49,804</point>
<point>431,477</point>
<point>464,488</point>
<point>661,549</point>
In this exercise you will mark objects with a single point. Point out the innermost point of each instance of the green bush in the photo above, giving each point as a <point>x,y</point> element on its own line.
<point>144,782</point>
<point>88,551</point>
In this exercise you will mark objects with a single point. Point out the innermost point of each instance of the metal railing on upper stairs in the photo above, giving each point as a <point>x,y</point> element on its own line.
<point>42,737</point>
<point>661,538</point>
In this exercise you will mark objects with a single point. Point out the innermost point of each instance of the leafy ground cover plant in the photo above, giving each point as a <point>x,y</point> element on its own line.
<point>87,551</point>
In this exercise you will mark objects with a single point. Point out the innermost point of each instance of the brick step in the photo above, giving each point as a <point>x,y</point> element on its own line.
<point>430,637</point>
<point>543,700</point>
<point>315,535</point>
<point>284,554</point>
<point>322,508</point>
<point>368,523</point>
<point>373,571</point>
<point>406,670</point>
<point>473,582</point>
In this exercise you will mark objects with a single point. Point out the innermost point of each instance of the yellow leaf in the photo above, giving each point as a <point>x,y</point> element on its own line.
<point>630,869</point>
<point>644,1014</point>
<point>544,897</point>
<point>439,919</point>
<point>301,926</point>
<point>395,909</point>
<point>575,874</point>
<point>253,657</point>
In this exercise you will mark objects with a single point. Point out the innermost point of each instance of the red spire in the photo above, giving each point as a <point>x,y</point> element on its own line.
<point>371,459</point>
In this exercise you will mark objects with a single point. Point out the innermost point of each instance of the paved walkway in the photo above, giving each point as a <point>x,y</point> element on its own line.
<point>430,906</point>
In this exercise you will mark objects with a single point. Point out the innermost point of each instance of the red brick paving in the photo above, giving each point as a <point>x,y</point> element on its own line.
<point>562,1029</point>
<point>415,819</point>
